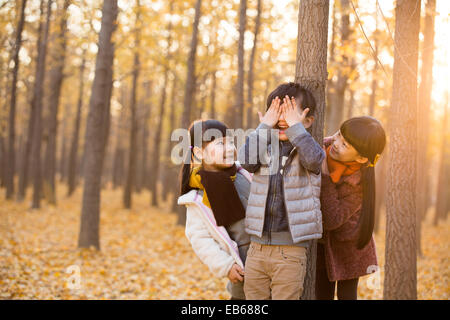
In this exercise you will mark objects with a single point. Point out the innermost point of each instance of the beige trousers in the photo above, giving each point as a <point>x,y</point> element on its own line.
<point>274,272</point>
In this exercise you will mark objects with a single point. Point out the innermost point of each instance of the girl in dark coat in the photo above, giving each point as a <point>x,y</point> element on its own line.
<point>347,249</point>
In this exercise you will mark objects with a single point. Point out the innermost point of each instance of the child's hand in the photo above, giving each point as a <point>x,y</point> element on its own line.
<point>236,273</point>
<point>273,114</point>
<point>290,111</point>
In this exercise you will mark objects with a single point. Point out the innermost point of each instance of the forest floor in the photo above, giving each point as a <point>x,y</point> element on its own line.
<point>145,255</point>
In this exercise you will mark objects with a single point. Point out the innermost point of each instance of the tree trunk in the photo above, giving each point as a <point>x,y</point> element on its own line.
<point>331,65</point>
<point>190,89</point>
<point>311,72</point>
<point>56,80</point>
<point>170,172</point>
<point>250,79</point>
<point>128,190</point>
<point>96,133</point>
<point>10,171</point>
<point>38,95</point>
<point>337,109</point>
<point>63,155</point>
<point>442,199</point>
<point>401,265</point>
<point>423,117</point>
<point>157,145</point>
<point>239,104</point>
<point>380,178</point>
<point>190,77</point>
<point>25,164</point>
<point>213,94</point>
<point>373,95</point>
<point>141,172</point>
<point>158,132</point>
<point>72,169</point>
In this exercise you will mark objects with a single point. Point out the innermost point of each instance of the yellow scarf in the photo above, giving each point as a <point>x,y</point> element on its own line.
<point>195,181</point>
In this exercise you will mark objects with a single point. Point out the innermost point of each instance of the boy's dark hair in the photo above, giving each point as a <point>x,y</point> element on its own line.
<point>301,95</point>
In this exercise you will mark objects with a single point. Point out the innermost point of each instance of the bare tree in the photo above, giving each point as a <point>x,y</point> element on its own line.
<point>159,128</point>
<point>423,117</point>
<point>10,171</point>
<point>239,103</point>
<point>97,129</point>
<point>189,90</point>
<point>311,72</point>
<point>400,252</point>
<point>443,187</point>
<point>73,157</point>
<point>340,86</point>
<point>250,76</point>
<point>56,80</point>
<point>132,151</point>
<point>36,104</point>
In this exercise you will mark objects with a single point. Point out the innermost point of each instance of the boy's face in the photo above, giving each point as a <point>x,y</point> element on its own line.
<point>282,124</point>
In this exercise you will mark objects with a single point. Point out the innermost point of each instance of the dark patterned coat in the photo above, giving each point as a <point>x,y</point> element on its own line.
<point>341,209</point>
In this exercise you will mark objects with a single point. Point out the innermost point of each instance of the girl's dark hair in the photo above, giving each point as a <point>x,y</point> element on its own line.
<point>198,127</point>
<point>295,90</point>
<point>367,136</point>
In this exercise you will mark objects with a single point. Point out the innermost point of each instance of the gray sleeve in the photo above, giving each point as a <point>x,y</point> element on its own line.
<point>252,153</point>
<point>310,152</point>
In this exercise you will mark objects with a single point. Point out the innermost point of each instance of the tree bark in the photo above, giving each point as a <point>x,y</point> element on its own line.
<point>97,130</point>
<point>373,93</point>
<point>158,132</point>
<point>190,89</point>
<point>170,170</point>
<point>423,117</point>
<point>443,189</point>
<point>250,76</point>
<point>213,94</point>
<point>73,157</point>
<point>56,81</point>
<point>337,109</point>
<point>380,178</point>
<point>311,72</point>
<point>190,77</point>
<point>131,173</point>
<point>401,265</point>
<point>331,65</point>
<point>38,95</point>
<point>10,171</point>
<point>239,104</point>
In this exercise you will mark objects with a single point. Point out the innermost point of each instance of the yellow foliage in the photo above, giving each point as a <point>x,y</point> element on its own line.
<point>144,255</point>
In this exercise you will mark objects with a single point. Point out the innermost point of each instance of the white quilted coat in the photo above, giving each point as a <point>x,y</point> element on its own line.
<point>211,243</point>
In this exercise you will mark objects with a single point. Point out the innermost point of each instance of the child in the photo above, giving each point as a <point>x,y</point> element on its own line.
<point>347,250</point>
<point>283,210</point>
<point>215,193</point>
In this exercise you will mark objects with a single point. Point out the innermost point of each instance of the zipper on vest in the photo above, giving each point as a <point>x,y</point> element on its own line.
<point>271,213</point>
<point>284,193</point>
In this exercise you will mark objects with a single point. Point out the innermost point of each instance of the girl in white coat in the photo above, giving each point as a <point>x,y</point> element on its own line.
<point>215,190</point>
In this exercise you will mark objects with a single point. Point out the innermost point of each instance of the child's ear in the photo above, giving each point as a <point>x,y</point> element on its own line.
<point>308,121</point>
<point>198,154</point>
<point>361,159</point>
